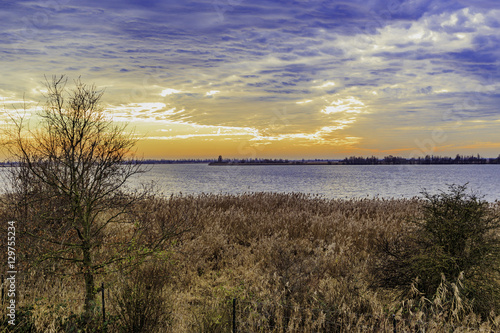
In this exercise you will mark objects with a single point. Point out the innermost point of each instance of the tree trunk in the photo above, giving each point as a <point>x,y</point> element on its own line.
<point>89,281</point>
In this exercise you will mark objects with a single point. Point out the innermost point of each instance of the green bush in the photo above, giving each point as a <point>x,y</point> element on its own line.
<point>458,233</point>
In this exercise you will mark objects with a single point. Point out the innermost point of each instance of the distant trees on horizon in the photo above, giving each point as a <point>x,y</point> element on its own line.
<point>428,159</point>
<point>372,160</point>
<point>352,160</point>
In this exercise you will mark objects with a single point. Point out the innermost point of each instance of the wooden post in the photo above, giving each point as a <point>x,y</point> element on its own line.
<point>103,307</point>
<point>234,315</point>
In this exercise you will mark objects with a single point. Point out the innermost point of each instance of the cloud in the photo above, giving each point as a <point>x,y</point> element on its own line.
<point>347,105</point>
<point>169,91</point>
<point>234,63</point>
<point>212,92</point>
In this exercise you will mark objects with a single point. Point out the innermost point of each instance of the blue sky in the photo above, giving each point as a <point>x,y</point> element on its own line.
<point>246,79</point>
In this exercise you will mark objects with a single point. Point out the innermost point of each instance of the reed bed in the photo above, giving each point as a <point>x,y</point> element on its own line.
<point>293,263</point>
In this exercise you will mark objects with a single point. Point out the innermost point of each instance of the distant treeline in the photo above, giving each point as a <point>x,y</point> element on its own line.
<point>147,161</point>
<point>429,159</point>
<point>356,160</point>
<point>352,160</point>
<point>255,160</point>
<point>181,161</point>
<point>271,161</point>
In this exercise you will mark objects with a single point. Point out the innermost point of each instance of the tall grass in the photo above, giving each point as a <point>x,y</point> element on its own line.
<point>293,262</point>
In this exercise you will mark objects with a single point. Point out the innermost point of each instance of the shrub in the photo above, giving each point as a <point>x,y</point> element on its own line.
<point>140,303</point>
<point>457,234</point>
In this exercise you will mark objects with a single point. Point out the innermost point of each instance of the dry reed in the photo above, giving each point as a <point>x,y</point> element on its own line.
<point>293,262</point>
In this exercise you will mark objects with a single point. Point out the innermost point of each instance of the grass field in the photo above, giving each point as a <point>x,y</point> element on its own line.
<point>292,262</point>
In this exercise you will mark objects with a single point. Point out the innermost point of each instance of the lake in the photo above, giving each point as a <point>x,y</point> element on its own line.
<point>330,181</point>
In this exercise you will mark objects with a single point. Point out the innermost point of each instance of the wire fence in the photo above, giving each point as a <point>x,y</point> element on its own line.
<point>228,314</point>
<point>238,315</point>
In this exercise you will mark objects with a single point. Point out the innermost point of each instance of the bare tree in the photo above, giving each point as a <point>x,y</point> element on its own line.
<point>72,170</point>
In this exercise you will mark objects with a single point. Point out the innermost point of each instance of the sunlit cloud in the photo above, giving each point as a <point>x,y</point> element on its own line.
<point>11,101</point>
<point>212,92</point>
<point>143,112</point>
<point>137,108</point>
<point>304,102</point>
<point>327,84</point>
<point>320,136</point>
<point>169,91</point>
<point>180,130</point>
<point>347,105</point>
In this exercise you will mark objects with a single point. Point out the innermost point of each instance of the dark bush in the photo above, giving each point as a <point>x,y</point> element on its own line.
<point>458,232</point>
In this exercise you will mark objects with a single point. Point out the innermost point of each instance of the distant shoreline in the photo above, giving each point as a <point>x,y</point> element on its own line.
<point>337,163</point>
<point>273,163</point>
<point>356,160</point>
<point>353,160</point>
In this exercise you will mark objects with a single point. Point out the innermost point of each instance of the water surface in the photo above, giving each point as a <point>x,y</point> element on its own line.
<point>331,181</point>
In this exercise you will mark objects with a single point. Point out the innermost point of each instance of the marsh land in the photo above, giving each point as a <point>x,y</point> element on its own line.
<point>291,262</point>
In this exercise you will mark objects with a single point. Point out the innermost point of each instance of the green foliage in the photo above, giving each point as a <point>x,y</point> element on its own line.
<point>457,234</point>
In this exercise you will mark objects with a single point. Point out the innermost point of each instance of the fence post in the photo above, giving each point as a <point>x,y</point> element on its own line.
<point>394,323</point>
<point>234,315</point>
<point>103,306</point>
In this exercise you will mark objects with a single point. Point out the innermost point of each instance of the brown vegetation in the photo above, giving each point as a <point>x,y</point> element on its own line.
<point>293,262</point>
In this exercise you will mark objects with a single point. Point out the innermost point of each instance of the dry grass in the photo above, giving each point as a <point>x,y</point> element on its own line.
<point>294,263</point>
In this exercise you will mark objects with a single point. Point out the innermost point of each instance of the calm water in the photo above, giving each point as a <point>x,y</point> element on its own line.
<point>335,181</point>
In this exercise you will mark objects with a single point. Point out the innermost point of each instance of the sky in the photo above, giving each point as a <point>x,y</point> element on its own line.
<point>269,79</point>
